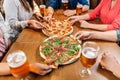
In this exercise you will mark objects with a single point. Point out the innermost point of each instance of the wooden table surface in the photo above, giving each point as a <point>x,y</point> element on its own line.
<point>29,41</point>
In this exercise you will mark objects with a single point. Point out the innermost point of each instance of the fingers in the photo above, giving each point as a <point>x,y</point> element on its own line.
<point>78,35</point>
<point>70,18</point>
<point>45,72</point>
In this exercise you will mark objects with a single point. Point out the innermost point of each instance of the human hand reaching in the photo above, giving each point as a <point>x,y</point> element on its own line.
<point>35,24</point>
<point>108,61</point>
<point>83,35</point>
<point>69,12</point>
<point>40,69</point>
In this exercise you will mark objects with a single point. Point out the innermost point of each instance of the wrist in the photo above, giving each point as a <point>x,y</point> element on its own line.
<point>50,14</point>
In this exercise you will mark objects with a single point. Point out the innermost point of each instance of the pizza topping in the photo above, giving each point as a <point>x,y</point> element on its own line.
<point>56,27</point>
<point>59,50</point>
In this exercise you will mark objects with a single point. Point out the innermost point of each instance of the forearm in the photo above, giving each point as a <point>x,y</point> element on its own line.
<point>50,11</point>
<point>108,35</point>
<point>84,17</point>
<point>101,27</point>
<point>115,70</point>
<point>85,8</point>
<point>4,69</point>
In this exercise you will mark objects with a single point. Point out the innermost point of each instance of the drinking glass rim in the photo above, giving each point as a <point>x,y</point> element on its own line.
<point>98,48</point>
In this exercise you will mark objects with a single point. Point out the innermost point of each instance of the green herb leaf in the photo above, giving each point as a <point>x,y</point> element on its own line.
<point>48,43</point>
<point>47,50</point>
<point>64,44</point>
<point>57,41</point>
<point>70,53</point>
<point>74,47</point>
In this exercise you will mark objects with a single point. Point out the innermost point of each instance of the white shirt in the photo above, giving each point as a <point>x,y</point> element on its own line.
<point>16,15</point>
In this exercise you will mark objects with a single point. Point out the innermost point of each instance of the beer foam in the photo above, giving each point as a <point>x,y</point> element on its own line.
<point>42,6</point>
<point>89,52</point>
<point>16,59</point>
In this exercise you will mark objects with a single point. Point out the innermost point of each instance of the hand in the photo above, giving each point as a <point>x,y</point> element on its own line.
<point>69,12</point>
<point>35,24</point>
<point>40,69</point>
<point>83,35</point>
<point>108,61</point>
<point>84,24</point>
<point>73,19</point>
<point>48,17</point>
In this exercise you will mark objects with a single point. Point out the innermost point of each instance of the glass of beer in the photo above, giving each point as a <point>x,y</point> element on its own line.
<point>79,9</point>
<point>43,10</point>
<point>88,57</point>
<point>65,4</point>
<point>19,66</point>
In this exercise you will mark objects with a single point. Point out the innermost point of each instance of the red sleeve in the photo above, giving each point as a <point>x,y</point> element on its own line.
<point>115,24</point>
<point>96,11</point>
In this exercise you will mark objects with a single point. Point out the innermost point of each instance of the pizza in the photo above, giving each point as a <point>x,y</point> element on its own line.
<point>58,28</point>
<point>60,50</point>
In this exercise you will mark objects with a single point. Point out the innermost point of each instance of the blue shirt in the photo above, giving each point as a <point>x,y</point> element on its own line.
<point>56,4</point>
<point>118,35</point>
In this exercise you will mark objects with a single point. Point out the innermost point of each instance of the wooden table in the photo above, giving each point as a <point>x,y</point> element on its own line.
<point>29,41</point>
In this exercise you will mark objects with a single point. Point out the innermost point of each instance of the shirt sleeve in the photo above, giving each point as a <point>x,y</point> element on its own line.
<point>36,8</point>
<point>84,2</point>
<point>96,11</point>
<point>52,3</point>
<point>118,35</point>
<point>115,24</point>
<point>11,14</point>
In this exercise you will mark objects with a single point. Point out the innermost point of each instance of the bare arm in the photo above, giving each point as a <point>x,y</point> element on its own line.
<point>101,27</point>
<point>50,12</point>
<point>37,68</point>
<point>108,35</point>
<point>110,63</point>
<point>85,8</point>
<point>4,69</point>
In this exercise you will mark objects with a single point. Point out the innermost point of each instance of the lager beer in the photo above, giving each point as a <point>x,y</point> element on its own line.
<point>79,9</point>
<point>65,4</point>
<point>88,57</point>
<point>19,66</point>
<point>43,10</point>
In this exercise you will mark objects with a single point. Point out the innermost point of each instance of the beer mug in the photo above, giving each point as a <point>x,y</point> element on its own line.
<point>79,9</point>
<point>19,66</point>
<point>43,10</point>
<point>65,4</point>
<point>88,57</point>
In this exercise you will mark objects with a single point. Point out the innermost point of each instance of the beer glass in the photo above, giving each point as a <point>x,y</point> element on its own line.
<point>88,57</point>
<point>43,10</point>
<point>19,66</point>
<point>79,9</point>
<point>65,4</point>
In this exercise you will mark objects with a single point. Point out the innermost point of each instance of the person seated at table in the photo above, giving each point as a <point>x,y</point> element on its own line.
<point>6,37</point>
<point>110,63</point>
<point>57,4</point>
<point>38,68</point>
<point>113,35</point>
<point>109,13</point>
<point>19,12</point>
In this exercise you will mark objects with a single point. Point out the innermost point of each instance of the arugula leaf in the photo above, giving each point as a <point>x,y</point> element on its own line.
<point>47,50</point>
<point>52,56</point>
<point>74,47</point>
<point>57,41</point>
<point>70,53</point>
<point>64,44</point>
<point>48,43</point>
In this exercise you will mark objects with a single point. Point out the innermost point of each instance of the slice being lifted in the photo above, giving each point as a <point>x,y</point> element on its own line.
<point>60,50</point>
